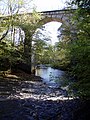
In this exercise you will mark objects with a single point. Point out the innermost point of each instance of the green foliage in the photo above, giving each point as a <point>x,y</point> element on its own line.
<point>28,23</point>
<point>82,3</point>
<point>74,50</point>
<point>8,55</point>
<point>38,49</point>
<point>80,54</point>
<point>61,59</point>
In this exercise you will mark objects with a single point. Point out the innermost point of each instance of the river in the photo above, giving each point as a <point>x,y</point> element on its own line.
<point>52,77</point>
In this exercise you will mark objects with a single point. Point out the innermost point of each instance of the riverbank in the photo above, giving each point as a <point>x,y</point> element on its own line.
<point>26,97</point>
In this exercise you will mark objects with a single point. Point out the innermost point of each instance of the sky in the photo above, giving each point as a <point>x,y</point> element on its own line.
<point>40,5</point>
<point>43,5</point>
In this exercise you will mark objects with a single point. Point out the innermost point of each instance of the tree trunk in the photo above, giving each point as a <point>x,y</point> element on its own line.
<point>28,50</point>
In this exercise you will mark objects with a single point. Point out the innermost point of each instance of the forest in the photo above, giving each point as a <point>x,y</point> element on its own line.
<point>70,54</point>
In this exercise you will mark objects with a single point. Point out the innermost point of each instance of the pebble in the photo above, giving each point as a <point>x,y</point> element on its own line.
<point>36,101</point>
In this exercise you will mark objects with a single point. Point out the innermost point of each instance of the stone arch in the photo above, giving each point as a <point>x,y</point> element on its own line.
<point>50,19</point>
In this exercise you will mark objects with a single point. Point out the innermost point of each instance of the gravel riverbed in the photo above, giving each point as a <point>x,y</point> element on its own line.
<point>31,99</point>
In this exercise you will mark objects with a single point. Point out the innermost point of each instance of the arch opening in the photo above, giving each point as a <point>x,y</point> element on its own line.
<point>48,32</point>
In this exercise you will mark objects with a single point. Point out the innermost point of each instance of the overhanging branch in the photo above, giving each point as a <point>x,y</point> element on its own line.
<point>4,35</point>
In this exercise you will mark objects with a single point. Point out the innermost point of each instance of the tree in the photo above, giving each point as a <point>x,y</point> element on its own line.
<point>79,50</point>
<point>38,51</point>
<point>8,51</point>
<point>27,23</point>
<point>11,8</point>
<point>82,3</point>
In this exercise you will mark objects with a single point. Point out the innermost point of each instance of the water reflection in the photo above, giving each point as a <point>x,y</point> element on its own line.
<point>50,76</point>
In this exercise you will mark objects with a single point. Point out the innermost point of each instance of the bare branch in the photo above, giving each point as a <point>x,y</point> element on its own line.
<point>4,35</point>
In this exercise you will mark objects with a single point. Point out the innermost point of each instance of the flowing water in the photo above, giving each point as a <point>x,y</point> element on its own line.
<point>52,77</point>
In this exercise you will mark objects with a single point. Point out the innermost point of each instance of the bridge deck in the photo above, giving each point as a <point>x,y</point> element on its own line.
<point>43,12</point>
